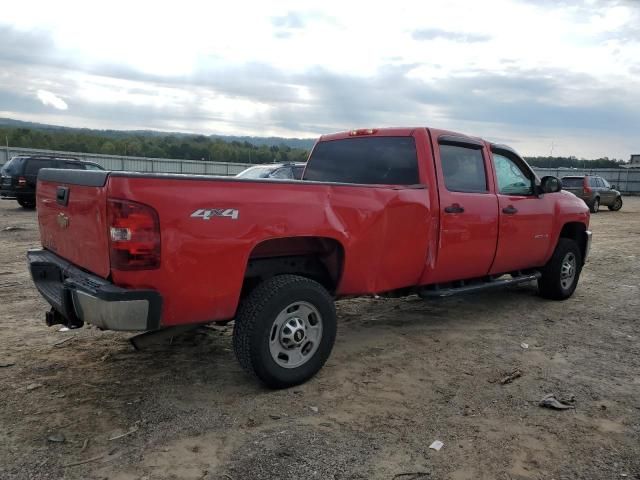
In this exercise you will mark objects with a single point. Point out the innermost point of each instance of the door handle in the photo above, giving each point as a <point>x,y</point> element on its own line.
<point>455,208</point>
<point>510,210</point>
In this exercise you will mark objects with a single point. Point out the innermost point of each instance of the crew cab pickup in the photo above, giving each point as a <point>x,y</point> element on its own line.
<point>393,211</point>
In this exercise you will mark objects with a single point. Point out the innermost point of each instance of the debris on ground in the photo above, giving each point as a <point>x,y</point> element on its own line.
<point>133,430</point>
<point>33,386</point>
<point>314,409</point>
<point>436,445</point>
<point>57,437</point>
<point>64,340</point>
<point>12,228</point>
<point>524,345</point>
<point>550,401</point>
<point>511,377</point>
<point>6,364</point>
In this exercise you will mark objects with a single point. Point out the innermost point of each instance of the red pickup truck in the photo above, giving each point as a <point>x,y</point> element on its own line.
<point>393,211</point>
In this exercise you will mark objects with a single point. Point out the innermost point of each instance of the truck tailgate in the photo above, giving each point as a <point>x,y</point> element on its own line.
<point>72,217</point>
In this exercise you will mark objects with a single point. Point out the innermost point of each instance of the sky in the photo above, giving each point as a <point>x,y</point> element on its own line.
<point>548,77</point>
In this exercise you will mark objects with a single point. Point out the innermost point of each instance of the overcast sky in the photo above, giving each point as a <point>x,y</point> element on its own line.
<point>542,75</point>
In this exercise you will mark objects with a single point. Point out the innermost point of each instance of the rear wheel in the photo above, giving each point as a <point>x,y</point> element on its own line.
<point>285,330</point>
<point>560,275</point>
<point>617,204</point>
<point>27,203</point>
<point>595,206</point>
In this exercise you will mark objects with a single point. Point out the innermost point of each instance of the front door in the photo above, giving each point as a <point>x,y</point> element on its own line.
<point>525,218</point>
<point>468,210</point>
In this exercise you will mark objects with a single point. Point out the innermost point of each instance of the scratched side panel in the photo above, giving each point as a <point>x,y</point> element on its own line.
<point>203,261</point>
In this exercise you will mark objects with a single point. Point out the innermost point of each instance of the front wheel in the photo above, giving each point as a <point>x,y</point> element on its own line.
<point>560,275</point>
<point>285,330</point>
<point>617,205</point>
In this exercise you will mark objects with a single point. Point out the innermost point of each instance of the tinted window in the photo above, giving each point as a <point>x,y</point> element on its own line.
<point>605,183</point>
<point>512,180</point>
<point>572,182</point>
<point>593,182</point>
<point>91,166</point>
<point>35,164</point>
<point>366,160</point>
<point>12,167</point>
<point>463,169</point>
<point>70,165</point>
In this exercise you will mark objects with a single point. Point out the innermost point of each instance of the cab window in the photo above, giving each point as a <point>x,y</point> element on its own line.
<point>463,169</point>
<point>512,180</point>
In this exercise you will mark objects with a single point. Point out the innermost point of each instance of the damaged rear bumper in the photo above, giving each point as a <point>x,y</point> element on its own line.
<point>78,296</point>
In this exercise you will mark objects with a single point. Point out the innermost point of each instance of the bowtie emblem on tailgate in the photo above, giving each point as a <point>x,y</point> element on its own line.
<point>62,220</point>
<point>207,213</point>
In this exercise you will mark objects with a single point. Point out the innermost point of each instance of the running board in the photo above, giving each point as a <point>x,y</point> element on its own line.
<point>478,285</point>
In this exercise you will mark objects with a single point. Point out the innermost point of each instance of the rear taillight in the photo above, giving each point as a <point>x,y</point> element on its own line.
<point>585,187</point>
<point>134,235</point>
<point>22,181</point>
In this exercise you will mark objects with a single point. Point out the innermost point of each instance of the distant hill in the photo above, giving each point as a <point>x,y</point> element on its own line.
<point>302,143</point>
<point>150,143</point>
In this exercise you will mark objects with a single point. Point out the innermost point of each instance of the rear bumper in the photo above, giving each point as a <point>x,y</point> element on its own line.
<point>82,297</point>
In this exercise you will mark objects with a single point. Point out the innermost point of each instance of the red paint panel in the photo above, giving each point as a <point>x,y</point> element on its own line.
<point>84,240</point>
<point>383,230</point>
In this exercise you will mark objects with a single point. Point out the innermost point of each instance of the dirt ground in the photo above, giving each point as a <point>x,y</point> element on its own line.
<point>83,404</point>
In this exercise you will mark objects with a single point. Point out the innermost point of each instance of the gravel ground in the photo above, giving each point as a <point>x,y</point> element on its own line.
<point>404,372</point>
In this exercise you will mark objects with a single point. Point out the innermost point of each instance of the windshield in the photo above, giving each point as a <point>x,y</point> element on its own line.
<point>256,172</point>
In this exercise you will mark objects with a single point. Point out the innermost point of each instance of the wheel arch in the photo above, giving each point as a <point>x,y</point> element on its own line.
<point>315,257</point>
<point>575,231</point>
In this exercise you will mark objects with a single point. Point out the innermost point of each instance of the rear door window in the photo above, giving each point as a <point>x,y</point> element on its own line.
<point>463,169</point>
<point>35,164</point>
<point>365,160</point>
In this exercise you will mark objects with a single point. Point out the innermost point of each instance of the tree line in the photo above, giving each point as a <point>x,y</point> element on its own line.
<point>184,147</point>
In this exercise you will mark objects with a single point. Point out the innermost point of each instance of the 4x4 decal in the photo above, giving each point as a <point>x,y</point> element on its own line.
<point>207,213</point>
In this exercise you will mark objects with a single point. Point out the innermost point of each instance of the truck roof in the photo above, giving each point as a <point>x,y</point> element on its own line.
<point>389,132</point>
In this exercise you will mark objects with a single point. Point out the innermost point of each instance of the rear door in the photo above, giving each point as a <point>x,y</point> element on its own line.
<point>526,219</point>
<point>468,209</point>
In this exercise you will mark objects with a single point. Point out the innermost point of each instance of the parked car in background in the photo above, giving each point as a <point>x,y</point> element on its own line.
<point>19,175</point>
<point>292,171</point>
<point>594,190</point>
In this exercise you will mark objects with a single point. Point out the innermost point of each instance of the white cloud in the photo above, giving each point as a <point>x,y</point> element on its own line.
<point>51,100</point>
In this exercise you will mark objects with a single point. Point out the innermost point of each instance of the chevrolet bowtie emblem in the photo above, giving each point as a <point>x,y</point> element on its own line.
<point>63,220</point>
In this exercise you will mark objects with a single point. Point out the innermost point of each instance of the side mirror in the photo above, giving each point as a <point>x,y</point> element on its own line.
<point>613,187</point>
<point>550,184</point>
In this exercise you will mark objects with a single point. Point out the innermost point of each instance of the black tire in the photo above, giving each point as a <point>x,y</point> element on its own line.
<point>617,204</point>
<point>595,206</point>
<point>255,326</point>
<point>27,203</point>
<point>552,285</point>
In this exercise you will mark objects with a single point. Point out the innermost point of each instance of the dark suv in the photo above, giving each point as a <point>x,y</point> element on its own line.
<point>594,190</point>
<point>20,174</point>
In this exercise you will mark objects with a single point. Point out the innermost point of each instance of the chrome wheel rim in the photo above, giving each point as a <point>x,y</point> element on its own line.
<point>568,270</point>
<point>295,335</point>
